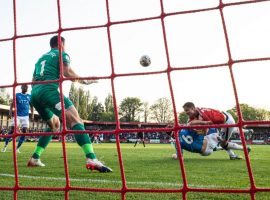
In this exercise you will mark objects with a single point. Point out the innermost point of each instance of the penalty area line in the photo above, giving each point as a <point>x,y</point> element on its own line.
<point>114,182</point>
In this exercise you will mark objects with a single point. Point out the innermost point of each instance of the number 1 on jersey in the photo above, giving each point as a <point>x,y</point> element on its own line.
<point>42,67</point>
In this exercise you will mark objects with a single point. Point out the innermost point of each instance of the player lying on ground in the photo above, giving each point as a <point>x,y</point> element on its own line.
<point>204,116</point>
<point>205,145</point>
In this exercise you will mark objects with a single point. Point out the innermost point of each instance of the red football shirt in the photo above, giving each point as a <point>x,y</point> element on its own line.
<point>209,114</point>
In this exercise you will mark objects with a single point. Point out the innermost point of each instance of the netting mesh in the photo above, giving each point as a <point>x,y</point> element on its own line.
<point>118,130</point>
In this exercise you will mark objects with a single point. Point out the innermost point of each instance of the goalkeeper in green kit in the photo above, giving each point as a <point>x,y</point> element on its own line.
<point>46,100</point>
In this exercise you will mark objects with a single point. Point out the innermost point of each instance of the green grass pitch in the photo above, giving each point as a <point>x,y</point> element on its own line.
<point>150,167</point>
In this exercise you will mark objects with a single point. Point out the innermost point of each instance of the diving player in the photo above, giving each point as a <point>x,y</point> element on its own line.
<point>205,145</point>
<point>204,116</point>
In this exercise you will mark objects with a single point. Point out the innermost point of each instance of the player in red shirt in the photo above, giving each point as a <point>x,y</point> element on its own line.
<point>204,116</point>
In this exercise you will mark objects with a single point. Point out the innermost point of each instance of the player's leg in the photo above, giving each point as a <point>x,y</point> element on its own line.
<point>143,142</point>
<point>52,121</point>
<point>226,133</point>
<point>232,145</point>
<point>21,140</point>
<point>74,121</point>
<point>8,139</point>
<point>49,110</point>
<point>235,146</point>
<point>142,139</point>
<point>136,143</point>
<point>24,121</point>
<point>212,143</point>
<point>54,125</point>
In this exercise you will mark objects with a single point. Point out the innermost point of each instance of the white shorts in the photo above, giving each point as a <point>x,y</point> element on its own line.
<point>226,133</point>
<point>212,143</point>
<point>21,121</point>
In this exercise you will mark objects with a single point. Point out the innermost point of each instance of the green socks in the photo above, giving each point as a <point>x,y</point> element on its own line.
<point>38,152</point>
<point>84,141</point>
<point>42,144</point>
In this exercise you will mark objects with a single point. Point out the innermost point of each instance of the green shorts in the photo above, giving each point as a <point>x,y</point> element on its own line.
<point>47,103</point>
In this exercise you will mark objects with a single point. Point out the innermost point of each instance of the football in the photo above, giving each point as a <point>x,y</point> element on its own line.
<point>145,61</point>
<point>174,156</point>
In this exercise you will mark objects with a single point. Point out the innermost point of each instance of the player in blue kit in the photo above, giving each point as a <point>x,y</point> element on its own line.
<point>22,107</point>
<point>205,145</point>
<point>198,143</point>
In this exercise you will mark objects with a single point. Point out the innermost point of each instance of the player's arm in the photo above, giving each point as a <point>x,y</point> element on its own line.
<point>69,72</point>
<point>201,131</point>
<point>199,122</point>
<point>32,112</point>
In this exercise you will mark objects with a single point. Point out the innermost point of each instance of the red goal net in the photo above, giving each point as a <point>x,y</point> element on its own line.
<point>165,19</point>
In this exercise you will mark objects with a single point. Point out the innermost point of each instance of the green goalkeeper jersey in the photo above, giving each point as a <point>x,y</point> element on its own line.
<point>48,68</point>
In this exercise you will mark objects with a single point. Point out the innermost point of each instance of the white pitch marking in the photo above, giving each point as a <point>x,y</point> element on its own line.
<point>118,182</point>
